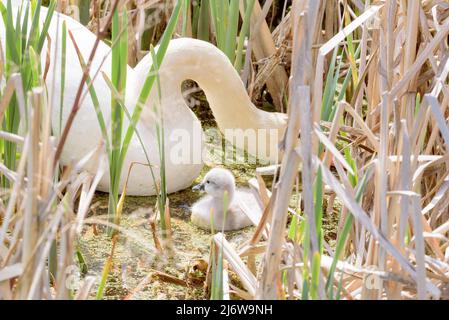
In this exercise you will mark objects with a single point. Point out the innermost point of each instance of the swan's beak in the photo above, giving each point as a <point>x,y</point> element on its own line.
<point>198,187</point>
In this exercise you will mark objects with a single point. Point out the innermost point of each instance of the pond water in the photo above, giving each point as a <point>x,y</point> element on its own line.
<point>135,260</point>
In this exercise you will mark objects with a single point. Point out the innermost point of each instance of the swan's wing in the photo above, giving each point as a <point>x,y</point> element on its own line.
<point>236,219</point>
<point>249,204</point>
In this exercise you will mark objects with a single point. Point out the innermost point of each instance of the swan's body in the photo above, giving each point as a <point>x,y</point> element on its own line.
<point>185,59</point>
<point>209,211</point>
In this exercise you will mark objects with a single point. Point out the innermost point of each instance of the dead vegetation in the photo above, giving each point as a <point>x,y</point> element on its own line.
<point>365,86</point>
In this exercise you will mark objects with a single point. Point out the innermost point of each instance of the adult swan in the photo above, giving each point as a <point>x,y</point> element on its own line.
<point>185,59</point>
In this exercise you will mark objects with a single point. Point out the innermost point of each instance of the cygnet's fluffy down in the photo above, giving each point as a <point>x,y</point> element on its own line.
<point>209,210</point>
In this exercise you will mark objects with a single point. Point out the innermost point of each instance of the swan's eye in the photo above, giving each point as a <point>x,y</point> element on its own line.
<point>207,181</point>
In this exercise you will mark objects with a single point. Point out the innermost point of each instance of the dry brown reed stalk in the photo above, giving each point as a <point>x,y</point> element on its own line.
<point>264,48</point>
<point>299,108</point>
<point>38,213</point>
<point>382,157</point>
<point>235,263</point>
<point>388,128</point>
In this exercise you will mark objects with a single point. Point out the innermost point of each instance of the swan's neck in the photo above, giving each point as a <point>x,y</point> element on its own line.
<point>225,92</point>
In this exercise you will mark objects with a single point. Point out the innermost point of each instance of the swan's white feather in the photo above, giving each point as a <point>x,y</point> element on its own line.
<point>234,219</point>
<point>209,212</point>
<point>185,59</point>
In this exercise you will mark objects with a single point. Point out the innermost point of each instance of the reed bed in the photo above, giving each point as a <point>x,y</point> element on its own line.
<point>364,84</point>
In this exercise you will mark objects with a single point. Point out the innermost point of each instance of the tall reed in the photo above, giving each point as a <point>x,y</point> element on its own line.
<point>23,43</point>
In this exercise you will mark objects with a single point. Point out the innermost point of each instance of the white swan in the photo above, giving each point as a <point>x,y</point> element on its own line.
<point>185,59</point>
<point>209,211</point>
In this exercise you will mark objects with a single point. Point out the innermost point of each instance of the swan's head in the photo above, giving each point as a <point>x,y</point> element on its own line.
<point>217,182</point>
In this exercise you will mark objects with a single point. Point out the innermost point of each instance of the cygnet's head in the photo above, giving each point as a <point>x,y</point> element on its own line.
<point>216,182</point>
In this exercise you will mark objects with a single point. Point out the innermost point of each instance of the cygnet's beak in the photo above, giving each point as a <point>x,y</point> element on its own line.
<point>198,187</point>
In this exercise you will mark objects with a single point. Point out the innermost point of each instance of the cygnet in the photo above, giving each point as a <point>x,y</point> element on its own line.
<point>209,210</point>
